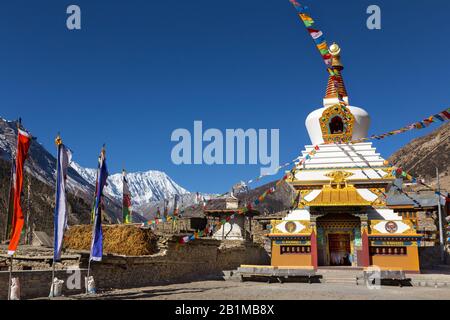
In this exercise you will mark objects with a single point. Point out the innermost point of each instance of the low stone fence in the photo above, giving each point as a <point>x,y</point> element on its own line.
<point>199,259</point>
<point>36,283</point>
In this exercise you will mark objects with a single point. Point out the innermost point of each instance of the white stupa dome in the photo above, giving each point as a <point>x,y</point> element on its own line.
<point>334,123</point>
<point>360,125</point>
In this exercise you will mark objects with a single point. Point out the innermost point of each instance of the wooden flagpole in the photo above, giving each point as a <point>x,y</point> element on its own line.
<point>123,181</point>
<point>28,228</point>
<point>94,217</point>
<point>10,276</point>
<point>88,273</point>
<point>7,222</point>
<point>18,123</point>
<point>52,286</point>
<point>13,158</point>
<point>58,142</point>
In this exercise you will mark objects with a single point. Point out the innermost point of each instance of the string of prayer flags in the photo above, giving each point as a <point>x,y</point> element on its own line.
<point>399,172</point>
<point>439,117</point>
<point>316,34</point>
<point>321,44</point>
<point>158,221</point>
<point>271,190</point>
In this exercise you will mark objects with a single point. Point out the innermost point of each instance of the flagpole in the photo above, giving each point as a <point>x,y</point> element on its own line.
<point>93,224</point>
<point>88,273</point>
<point>13,158</point>
<point>28,229</point>
<point>10,276</point>
<point>58,142</point>
<point>9,198</point>
<point>52,286</point>
<point>18,123</point>
<point>123,181</point>
<point>97,206</point>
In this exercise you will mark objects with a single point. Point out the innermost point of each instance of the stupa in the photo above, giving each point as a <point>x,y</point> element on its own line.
<point>341,217</point>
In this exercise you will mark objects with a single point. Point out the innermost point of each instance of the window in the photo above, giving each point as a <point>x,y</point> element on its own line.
<point>336,125</point>
<point>295,249</point>
<point>388,251</point>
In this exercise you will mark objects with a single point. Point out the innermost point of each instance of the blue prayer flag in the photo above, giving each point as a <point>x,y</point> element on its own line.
<point>97,239</point>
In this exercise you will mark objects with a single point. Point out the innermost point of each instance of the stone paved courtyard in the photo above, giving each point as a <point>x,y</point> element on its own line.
<point>234,290</point>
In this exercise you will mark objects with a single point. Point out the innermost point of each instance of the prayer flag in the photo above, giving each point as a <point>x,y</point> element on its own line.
<point>126,200</point>
<point>60,217</point>
<point>23,144</point>
<point>97,235</point>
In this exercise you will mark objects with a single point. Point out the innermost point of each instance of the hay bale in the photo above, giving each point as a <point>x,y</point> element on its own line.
<point>128,240</point>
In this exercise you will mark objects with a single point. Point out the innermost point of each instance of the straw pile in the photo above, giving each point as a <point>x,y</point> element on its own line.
<point>125,240</point>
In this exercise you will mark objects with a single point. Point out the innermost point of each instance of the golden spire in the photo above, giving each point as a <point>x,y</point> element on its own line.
<point>335,51</point>
<point>58,140</point>
<point>331,94</point>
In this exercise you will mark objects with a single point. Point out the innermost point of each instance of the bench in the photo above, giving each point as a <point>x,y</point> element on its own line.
<point>386,275</point>
<point>280,274</point>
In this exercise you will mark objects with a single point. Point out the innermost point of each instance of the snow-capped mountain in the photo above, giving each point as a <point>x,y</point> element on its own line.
<point>40,162</point>
<point>145,187</point>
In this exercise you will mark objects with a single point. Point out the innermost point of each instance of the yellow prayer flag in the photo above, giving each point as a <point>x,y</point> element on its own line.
<point>305,17</point>
<point>322,46</point>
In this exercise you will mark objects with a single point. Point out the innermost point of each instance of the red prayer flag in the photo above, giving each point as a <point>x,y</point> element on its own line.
<point>23,144</point>
<point>446,114</point>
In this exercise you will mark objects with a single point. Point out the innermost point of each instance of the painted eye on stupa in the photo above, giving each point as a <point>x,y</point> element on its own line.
<point>290,227</point>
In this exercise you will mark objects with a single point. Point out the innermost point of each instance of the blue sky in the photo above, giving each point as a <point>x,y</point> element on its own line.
<point>140,69</point>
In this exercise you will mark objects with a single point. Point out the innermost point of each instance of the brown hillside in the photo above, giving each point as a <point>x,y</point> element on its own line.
<point>421,156</point>
<point>41,204</point>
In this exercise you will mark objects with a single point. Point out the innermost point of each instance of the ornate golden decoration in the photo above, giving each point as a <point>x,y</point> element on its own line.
<point>389,173</point>
<point>302,202</point>
<point>348,121</point>
<point>335,52</point>
<point>58,140</point>
<point>338,192</point>
<point>339,177</point>
<point>335,197</point>
<point>380,200</point>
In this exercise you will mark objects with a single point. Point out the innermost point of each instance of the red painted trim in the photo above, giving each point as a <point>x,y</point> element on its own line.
<point>365,257</point>
<point>314,260</point>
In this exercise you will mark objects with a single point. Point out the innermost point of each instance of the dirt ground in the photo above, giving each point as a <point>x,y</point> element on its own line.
<point>234,290</point>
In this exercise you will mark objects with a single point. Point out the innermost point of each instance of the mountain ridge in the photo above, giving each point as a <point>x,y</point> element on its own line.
<point>421,156</point>
<point>41,164</point>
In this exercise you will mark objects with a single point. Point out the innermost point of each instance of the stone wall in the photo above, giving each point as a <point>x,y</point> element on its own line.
<point>36,283</point>
<point>429,257</point>
<point>181,225</point>
<point>199,259</point>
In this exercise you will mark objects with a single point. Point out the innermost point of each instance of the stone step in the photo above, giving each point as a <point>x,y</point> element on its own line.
<point>340,275</point>
<point>231,275</point>
<point>339,272</point>
<point>339,280</point>
<point>433,284</point>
